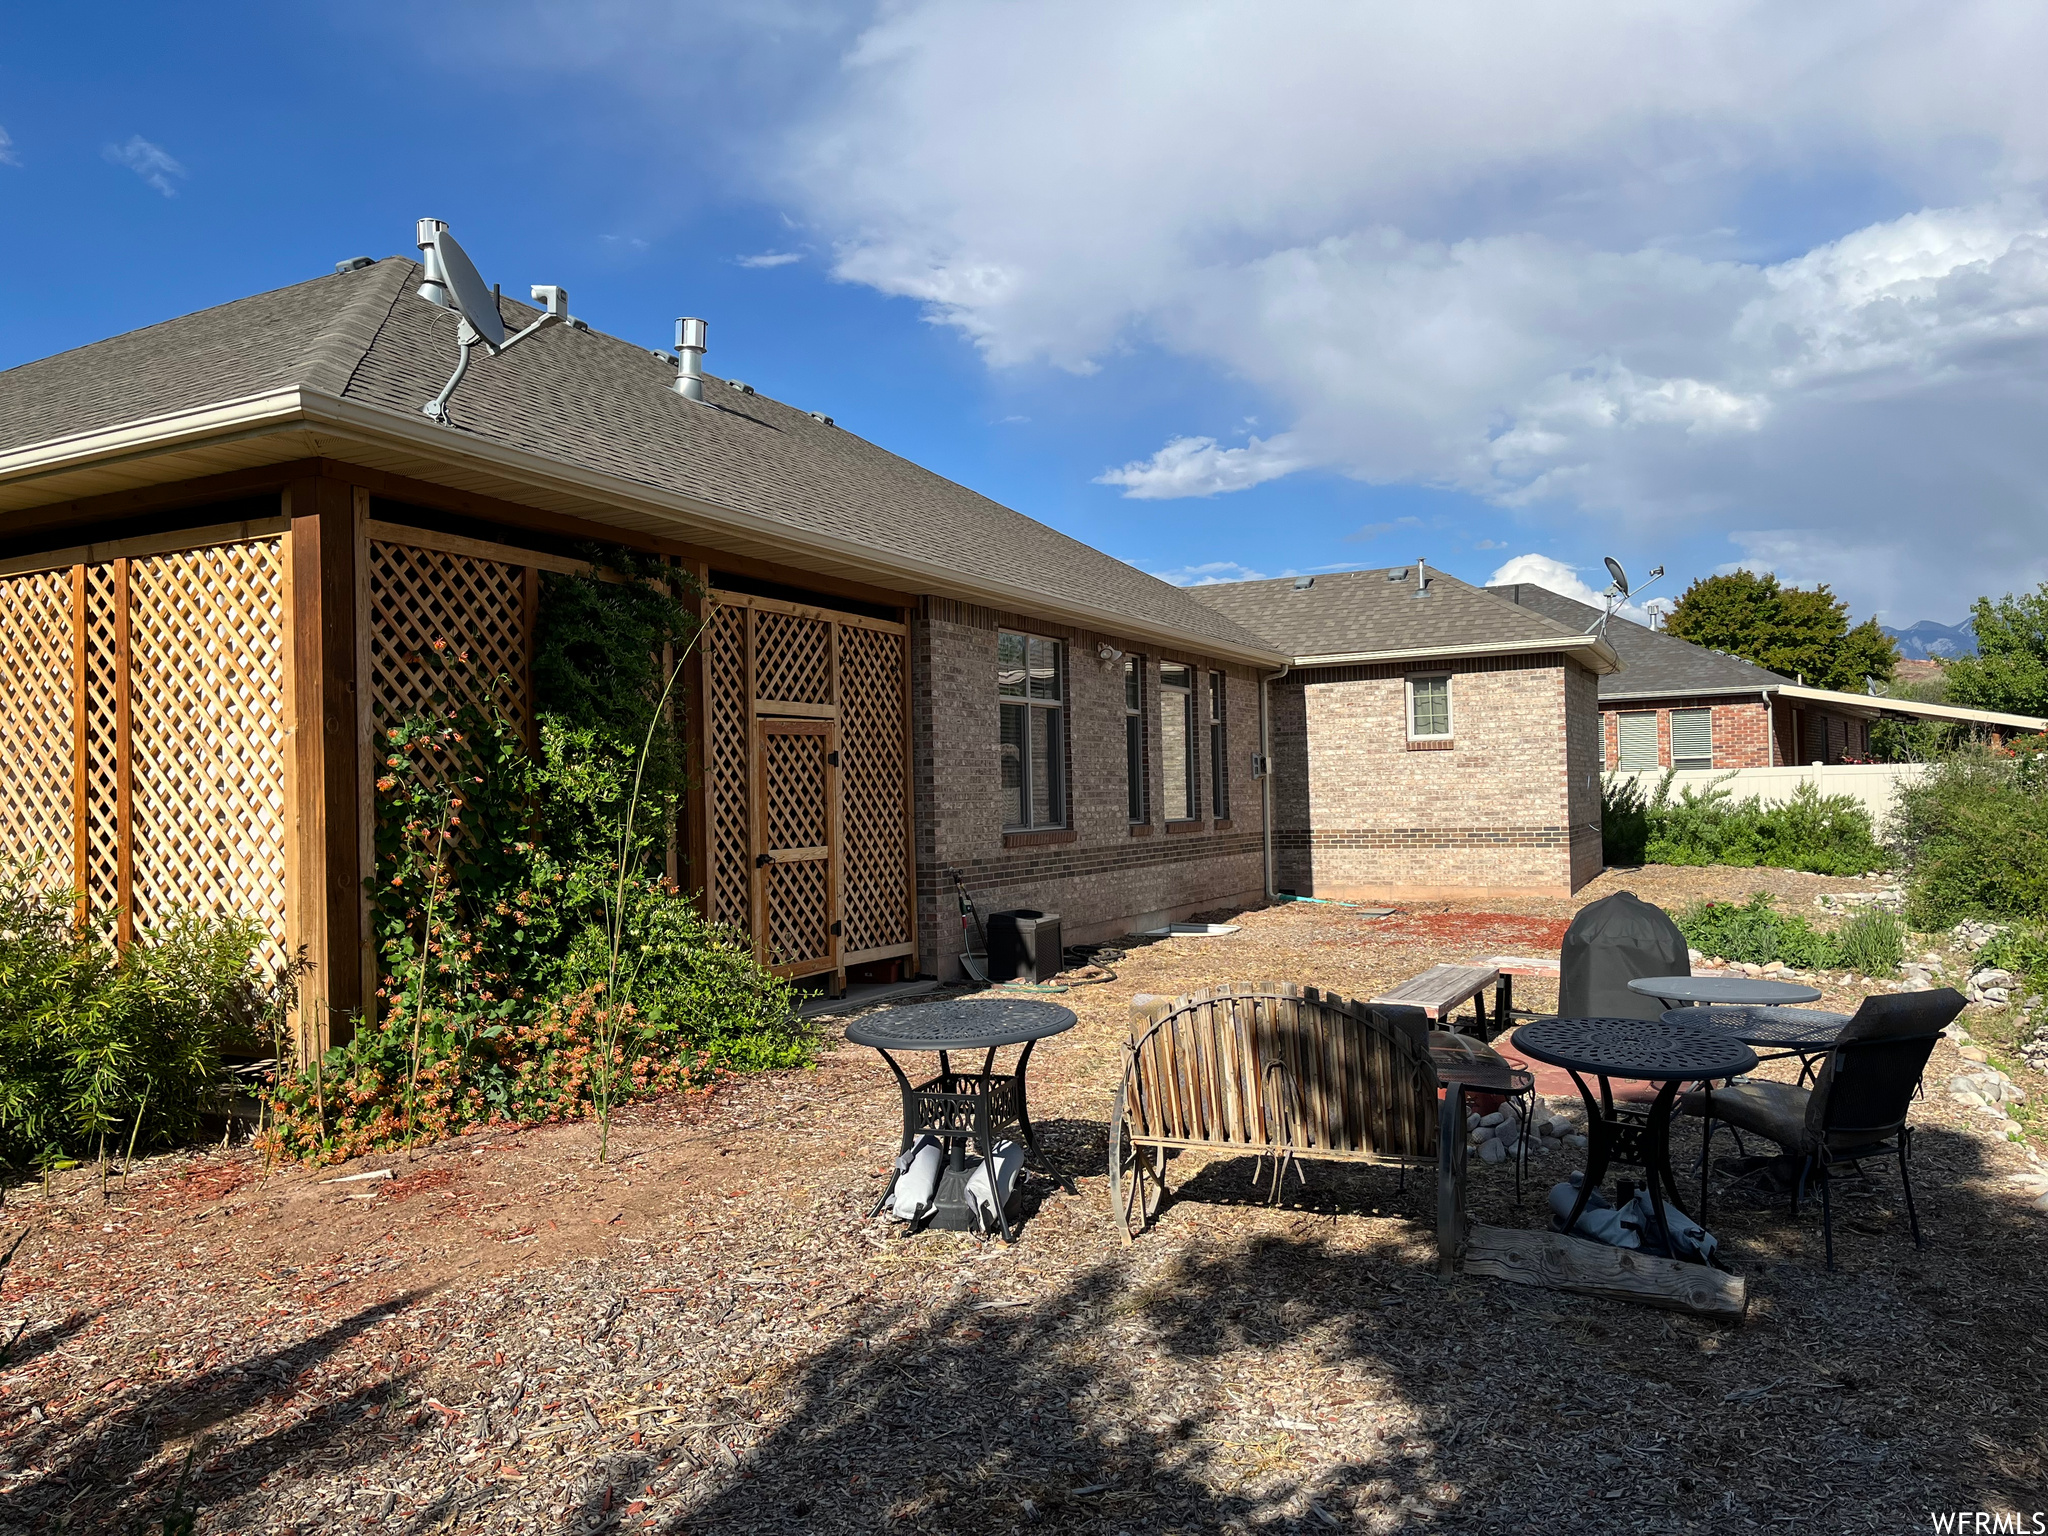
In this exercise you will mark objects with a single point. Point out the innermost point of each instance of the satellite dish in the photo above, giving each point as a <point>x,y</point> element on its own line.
<point>451,280</point>
<point>1620,576</point>
<point>469,295</point>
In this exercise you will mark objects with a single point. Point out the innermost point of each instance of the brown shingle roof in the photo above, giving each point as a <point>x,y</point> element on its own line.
<point>1350,613</point>
<point>589,400</point>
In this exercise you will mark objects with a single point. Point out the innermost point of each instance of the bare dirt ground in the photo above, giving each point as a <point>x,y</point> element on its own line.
<point>706,1334</point>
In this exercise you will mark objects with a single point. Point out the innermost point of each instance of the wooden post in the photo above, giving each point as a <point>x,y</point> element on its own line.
<point>696,686</point>
<point>326,818</point>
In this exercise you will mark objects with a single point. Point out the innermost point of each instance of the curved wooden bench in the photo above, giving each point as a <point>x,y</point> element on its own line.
<point>1286,1072</point>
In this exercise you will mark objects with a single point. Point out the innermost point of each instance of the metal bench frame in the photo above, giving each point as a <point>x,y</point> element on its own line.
<point>1287,1072</point>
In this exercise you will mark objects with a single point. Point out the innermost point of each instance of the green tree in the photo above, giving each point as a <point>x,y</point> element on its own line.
<point>1790,630</point>
<point>2010,670</point>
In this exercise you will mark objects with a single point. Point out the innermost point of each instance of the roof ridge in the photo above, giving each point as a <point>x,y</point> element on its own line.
<point>1543,619</point>
<point>338,351</point>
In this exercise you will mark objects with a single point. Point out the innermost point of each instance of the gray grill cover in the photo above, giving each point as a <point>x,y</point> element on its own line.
<point>1609,944</point>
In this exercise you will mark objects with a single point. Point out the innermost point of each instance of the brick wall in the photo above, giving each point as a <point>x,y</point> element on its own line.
<point>1742,730</point>
<point>1358,810</point>
<point>1103,876</point>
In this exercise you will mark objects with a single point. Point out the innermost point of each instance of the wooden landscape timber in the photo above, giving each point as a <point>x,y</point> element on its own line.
<point>1566,1263</point>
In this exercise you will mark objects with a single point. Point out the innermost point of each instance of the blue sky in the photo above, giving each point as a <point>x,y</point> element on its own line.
<point>1218,290</point>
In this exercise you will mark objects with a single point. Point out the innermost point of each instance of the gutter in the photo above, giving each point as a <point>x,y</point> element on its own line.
<point>1603,658</point>
<point>336,420</point>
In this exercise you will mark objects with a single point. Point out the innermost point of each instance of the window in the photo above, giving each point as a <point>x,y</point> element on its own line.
<point>1637,735</point>
<point>1692,738</point>
<point>1031,689</point>
<point>1134,737</point>
<point>1177,739</point>
<point>1429,707</point>
<point>1219,752</point>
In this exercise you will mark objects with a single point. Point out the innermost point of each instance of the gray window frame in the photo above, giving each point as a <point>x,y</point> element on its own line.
<point>1450,730</point>
<point>1041,714</point>
<point>1191,809</point>
<point>1219,747</point>
<point>1137,759</point>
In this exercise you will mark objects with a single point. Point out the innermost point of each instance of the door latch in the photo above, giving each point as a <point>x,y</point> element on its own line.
<point>835,930</point>
<point>764,860</point>
<point>832,758</point>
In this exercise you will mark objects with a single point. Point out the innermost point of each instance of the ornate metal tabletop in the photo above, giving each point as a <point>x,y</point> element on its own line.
<point>1723,989</point>
<point>1641,1049</point>
<point>961,1025</point>
<point>1791,1029</point>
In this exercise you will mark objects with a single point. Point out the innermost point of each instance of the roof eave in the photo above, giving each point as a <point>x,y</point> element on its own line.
<point>1724,691</point>
<point>1872,705</point>
<point>340,422</point>
<point>1596,652</point>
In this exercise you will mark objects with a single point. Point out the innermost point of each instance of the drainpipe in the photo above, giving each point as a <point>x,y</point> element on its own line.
<point>1266,778</point>
<point>1771,724</point>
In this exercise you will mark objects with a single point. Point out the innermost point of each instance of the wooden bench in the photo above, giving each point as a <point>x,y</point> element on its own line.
<point>1509,967</point>
<point>1283,1072</point>
<point>1442,989</point>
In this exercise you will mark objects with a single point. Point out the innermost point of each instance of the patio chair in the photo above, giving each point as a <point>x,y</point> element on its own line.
<point>1856,1107</point>
<point>1612,942</point>
<point>1283,1072</point>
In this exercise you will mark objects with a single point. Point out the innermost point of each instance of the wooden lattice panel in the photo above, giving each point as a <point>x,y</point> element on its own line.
<point>37,689</point>
<point>799,900</point>
<point>445,629</point>
<point>728,722</point>
<point>875,877</point>
<point>104,685</point>
<point>792,658</point>
<point>206,710</point>
<point>793,774</point>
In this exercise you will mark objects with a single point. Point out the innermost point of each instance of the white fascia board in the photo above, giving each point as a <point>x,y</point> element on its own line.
<point>351,421</point>
<point>1599,655</point>
<point>1864,703</point>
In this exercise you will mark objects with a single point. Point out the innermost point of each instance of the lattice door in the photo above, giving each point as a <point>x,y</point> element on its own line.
<point>797,763</point>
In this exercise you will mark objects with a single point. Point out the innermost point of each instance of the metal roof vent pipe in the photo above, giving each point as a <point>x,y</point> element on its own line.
<point>434,281</point>
<point>690,349</point>
<point>1421,578</point>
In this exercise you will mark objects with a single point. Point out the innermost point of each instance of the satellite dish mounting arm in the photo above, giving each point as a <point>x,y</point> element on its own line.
<point>451,281</point>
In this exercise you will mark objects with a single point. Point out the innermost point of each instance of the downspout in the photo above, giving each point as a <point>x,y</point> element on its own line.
<point>1771,725</point>
<point>1266,778</point>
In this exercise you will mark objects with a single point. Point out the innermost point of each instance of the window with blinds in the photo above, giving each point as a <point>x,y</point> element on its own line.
<point>1692,738</point>
<point>1638,741</point>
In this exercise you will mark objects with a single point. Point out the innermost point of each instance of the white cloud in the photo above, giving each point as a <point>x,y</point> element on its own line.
<point>1209,574</point>
<point>769,259</point>
<point>149,161</point>
<point>7,154</point>
<point>1200,466</point>
<point>1555,576</point>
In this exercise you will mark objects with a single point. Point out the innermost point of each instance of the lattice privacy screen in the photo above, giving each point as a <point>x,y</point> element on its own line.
<point>142,726</point>
<point>445,628</point>
<point>769,787</point>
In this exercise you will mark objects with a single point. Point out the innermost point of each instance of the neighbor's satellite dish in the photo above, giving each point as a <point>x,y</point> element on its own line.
<point>1620,576</point>
<point>473,298</point>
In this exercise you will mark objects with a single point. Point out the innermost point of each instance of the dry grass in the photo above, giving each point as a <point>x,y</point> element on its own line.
<point>708,1336</point>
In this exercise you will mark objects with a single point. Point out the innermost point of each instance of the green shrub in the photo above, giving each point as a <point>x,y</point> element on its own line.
<point>1624,820</point>
<point>1973,836</point>
<point>87,1034</point>
<point>2021,949</point>
<point>1756,933</point>
<point>1822,834</point>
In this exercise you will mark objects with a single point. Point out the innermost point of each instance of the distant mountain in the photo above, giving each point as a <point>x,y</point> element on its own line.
<point>1929,641</point>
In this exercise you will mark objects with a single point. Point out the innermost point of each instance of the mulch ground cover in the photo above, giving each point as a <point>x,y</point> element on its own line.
<point>706,1333</point>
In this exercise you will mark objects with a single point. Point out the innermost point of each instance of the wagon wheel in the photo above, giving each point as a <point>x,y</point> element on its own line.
<point>1137,1175</point>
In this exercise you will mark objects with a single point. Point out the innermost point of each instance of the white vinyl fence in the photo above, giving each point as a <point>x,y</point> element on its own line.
<point>1872,783</point>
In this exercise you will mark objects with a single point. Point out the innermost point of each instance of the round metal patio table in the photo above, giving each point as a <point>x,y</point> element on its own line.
<point>1641,1050</point>
<point>1671,991</point>
<point>959,1107</point>
<point>1782,1032</point>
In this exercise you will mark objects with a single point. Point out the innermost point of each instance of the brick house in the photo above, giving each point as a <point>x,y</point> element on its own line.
<point>227,540</point>
<point>1429,738</point>
<point>1675,704</point>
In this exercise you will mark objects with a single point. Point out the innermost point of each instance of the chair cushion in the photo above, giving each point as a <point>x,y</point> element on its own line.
<point>1776,1111</point>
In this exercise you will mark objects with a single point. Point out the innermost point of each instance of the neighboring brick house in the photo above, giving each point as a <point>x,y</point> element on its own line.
<point>1430,738</point>
<point>899,678</point>
<point>1676,704</point>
